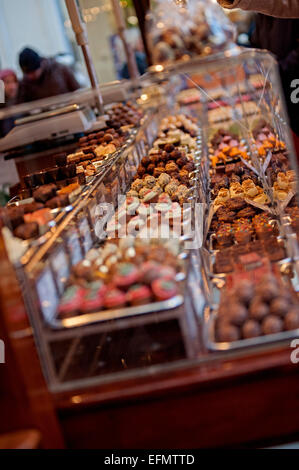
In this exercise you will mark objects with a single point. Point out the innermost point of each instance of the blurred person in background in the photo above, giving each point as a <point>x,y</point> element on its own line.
<point>11,89</point>
<point>140,60</point>
<point>43,77</point>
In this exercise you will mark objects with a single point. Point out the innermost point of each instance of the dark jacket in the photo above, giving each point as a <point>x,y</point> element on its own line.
<point>56,79</point>
<point>281,37</point>
<point>6,124</point>
<point>141,64</point>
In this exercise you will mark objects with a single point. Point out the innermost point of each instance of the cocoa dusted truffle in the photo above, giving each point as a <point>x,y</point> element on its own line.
<point>228,333</point>
<point>258,309</point>
<point>245,291</point>
<point>279,306</point>
<point>272,325</point>
<point>237,314</point>
<point>251,329</point>
<point>291,320</point>
<point>267,290</point>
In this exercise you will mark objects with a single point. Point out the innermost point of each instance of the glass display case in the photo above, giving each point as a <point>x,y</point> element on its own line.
<point>217,128</point>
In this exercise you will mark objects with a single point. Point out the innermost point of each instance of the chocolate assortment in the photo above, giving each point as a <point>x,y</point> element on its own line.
<point>59,186</point>
<point>137,264</point>
<point>121,274</point>
<point>243,219</point>
<point>256,305</point>
<point>178,33</point>
<point>244,236</point>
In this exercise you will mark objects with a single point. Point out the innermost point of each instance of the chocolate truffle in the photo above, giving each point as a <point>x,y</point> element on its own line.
<point>189,167</point>
<point>169,148</point>
<point>175,154</point>
<point>182,161</point>
<point>151,168</point>
<point>228,333</point>
<point>245,291</point>
<point>267,290</point>
<point>141,170</point>
<point>237,314</point>
<point>251,329</point>
<point>272,325</point>
<point>145,161</point>
<point>291,320</point>
<point>279,306</point>
<point>258,309</point>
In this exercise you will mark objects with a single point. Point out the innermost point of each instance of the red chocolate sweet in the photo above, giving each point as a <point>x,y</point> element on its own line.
<point>139,295</point>
<point>164,289</point>
<point>114,298</point>
<point>126,275</point>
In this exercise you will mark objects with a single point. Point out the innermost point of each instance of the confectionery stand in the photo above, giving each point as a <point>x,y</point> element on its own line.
<point>120,341</point>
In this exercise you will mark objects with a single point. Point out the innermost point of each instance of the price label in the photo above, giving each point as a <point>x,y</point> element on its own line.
<point>73,243</point>
<point>85,233</point>
<point>47,294</point>
<point>60,266</point>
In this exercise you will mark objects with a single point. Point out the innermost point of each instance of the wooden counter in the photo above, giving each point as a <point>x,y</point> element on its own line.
<point>244,401</point>
<point>249,401</point>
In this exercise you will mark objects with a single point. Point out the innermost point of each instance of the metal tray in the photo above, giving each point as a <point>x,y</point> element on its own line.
<point>108,315</point>
<point>213,345</point>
